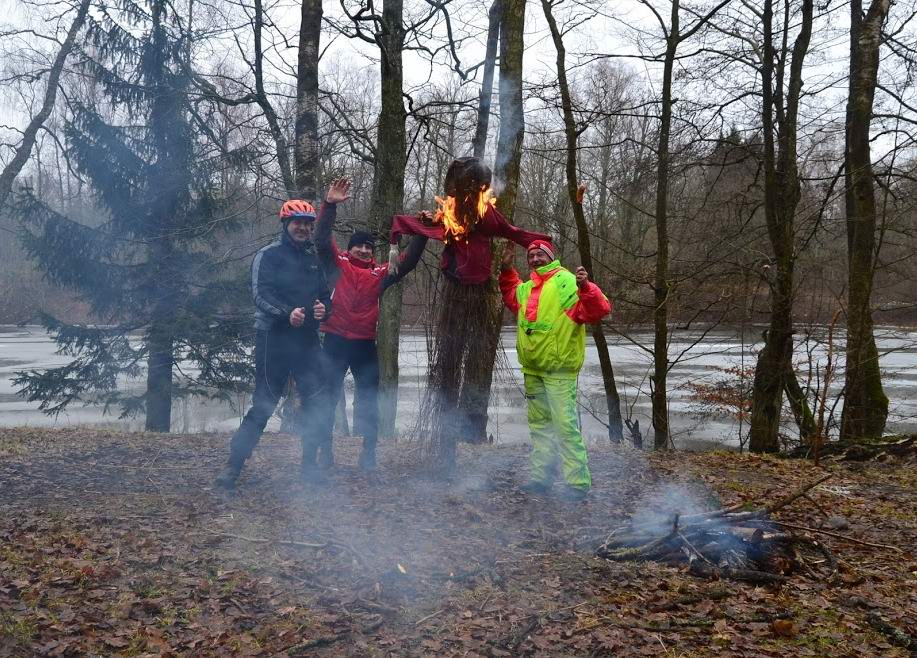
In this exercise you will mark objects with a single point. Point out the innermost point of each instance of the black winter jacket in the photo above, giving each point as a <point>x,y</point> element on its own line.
<point>286,276</point>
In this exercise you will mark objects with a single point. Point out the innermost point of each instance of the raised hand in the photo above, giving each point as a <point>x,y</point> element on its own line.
<point>582,276</point>
<point>509,254</point>
<point>339,192</point>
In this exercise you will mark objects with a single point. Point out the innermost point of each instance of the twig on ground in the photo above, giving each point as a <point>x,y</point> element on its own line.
<point>730,573</point>
<point>691,599</point>
<point>837,535</point>
<point>817,505</point>
<point>315,643</point>
<point>325,640</point>
<point>894,634</point>
<point>238,605</point>
<point>420,622</point>
<point>376,606</point>
<point>675,625</point>
<point>262,540</point>
<point>798,493</point>
<point>640,551</point>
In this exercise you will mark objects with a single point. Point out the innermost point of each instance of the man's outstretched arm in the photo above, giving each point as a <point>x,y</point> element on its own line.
<point>408,261</point>
<point>324,235</point>
<point>509,278</point>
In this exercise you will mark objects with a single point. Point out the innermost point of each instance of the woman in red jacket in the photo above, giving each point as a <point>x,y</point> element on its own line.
<point>350,333</point>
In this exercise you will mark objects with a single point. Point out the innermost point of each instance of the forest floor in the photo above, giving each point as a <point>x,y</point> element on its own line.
<point>116,544</point>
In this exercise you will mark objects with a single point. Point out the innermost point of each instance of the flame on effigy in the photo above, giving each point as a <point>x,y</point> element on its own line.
<point>457,224</point>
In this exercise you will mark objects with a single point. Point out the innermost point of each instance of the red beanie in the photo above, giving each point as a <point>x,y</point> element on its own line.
<point>544,245</point>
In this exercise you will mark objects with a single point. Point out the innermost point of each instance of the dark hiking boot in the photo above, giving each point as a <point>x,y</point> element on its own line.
<point>367,462</point>
<point>536,488</point>
<point>309,470</point>
<point>325,457</point>
<point>574,494</point>
<point>312,474</point>
<point>227,477</point>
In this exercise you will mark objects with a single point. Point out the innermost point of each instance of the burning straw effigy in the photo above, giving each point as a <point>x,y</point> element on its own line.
<point>734,543</point>
<point>463,336</point>
<point>465,316</point>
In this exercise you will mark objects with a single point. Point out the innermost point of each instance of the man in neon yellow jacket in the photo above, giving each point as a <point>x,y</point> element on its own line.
<point>551,310</point>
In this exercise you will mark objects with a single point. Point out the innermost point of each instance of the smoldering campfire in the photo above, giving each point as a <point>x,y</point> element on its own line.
<point>734,543</point>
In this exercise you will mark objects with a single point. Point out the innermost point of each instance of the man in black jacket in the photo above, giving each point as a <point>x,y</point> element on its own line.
<point>291,298</point>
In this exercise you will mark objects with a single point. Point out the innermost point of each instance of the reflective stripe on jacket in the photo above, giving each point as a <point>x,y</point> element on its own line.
<point>550,313</point>
<point>286,276</point>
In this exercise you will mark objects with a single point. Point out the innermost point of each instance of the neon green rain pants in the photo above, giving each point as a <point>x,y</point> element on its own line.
<point>554,426</point>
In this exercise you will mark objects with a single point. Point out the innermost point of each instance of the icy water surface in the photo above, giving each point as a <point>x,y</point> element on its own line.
<point>24,348</point>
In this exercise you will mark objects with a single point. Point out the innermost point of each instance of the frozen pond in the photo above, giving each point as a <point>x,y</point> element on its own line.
<point>24,348</point>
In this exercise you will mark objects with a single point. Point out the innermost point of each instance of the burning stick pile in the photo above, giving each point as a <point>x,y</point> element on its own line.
<point>730,543</point>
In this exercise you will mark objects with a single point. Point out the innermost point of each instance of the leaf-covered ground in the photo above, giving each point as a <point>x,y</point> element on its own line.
<point>117,545</point>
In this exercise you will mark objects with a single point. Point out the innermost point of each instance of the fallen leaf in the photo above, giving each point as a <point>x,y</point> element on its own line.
<point>784,628</point>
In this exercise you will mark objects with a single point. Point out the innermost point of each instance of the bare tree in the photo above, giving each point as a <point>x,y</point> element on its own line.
<point>264,102</point>
<point>865,403</point>
<point>307,150</point>
<point>674,37</point>
<point>781,196</point>
<point>29,135</point>
<point>487,83</point>
<point>475,392</point>
<point>387,31</point>
<point>575,194</point>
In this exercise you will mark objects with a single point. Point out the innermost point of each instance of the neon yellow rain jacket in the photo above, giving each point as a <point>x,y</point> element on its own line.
<point>550,313</point>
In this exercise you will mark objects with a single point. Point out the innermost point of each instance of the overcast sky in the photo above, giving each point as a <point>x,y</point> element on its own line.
<point>622,28</point>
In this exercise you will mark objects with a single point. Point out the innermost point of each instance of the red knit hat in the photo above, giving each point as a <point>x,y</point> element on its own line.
<point>544,245</point>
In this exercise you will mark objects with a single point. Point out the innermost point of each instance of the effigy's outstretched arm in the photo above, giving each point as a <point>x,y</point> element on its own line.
<point>499,226</point>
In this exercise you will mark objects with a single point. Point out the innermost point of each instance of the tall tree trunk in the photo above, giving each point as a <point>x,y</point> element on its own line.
<point>30,134</point>
<point>159,372</point>
<point>280,142</point>
<point>475,393</point>
<point>512,121</point>
<point>802,411</point>
<point>661,280</point>
<point>767,395</point>
<point>388,197</point>
<point>306,151</point>
<point>615,423</point>
<point>865,403</point>
<point>487,83</point>
<point>601,213</point>
<point>166,201</point>
<point>774,368</point>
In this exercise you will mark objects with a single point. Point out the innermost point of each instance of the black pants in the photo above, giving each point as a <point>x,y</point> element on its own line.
<point>362,359</point>
<point>280,353</point>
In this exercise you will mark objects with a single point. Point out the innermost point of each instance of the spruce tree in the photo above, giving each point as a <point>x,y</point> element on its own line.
<point>167,308</point>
